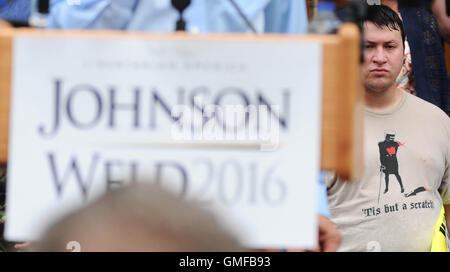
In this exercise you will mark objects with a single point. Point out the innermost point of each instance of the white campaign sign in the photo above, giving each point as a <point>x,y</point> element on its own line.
<point>88,115</point>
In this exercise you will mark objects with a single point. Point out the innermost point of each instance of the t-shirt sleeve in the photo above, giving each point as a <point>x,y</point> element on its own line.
<point>444,188</point>
<point>330,179</point>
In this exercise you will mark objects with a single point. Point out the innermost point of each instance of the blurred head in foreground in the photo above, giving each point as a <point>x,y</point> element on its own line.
<point>139,217</point>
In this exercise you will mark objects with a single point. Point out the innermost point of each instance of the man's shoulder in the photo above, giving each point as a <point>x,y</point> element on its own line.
<point>424,107</point>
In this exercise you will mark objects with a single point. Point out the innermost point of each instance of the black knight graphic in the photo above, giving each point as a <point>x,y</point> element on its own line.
<point>388,158</point>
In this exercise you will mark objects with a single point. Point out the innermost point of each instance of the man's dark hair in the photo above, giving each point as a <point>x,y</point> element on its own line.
<point>383,16</point>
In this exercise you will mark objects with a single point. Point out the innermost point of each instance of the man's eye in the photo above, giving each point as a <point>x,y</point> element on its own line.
<point>390,46</point>
<point>368,46</point>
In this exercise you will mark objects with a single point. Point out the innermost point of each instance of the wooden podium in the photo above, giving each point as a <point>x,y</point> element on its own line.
<point>342,93</point>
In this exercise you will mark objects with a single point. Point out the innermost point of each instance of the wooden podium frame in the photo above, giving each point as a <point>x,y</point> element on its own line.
<point>342,116</point>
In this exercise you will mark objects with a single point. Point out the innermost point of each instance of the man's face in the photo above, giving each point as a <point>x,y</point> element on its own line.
<point>383,57</point>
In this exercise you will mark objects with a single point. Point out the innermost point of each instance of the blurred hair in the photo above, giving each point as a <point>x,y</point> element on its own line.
<point>139,217</point>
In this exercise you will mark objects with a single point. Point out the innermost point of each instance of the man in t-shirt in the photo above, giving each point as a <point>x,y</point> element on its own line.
<point>400,130</point>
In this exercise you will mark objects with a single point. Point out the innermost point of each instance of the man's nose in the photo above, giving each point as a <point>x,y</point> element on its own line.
<point>379,55</point>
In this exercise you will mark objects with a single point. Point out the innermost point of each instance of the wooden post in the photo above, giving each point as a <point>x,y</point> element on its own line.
<point>6,32</point>
<point>342,105</point>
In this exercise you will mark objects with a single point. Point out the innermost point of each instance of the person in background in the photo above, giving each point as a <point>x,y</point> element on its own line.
<point>403,218</point>
<point>424,71</point>
<point>202,16</point>
<point>439,9</point>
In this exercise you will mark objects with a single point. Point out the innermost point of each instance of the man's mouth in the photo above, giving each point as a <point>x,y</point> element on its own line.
<point>379,71</point>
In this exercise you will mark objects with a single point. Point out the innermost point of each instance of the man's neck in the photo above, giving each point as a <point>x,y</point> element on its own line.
<point>383,101</point>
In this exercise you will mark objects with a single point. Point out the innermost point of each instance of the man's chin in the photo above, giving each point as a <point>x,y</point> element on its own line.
<point>378,87</point>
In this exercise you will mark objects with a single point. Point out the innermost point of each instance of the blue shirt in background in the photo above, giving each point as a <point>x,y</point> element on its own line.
<point>284,16</point>
<point>322,196</point>
<point>18,10</point>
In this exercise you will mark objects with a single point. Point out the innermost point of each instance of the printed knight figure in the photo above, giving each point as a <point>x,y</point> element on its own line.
<point>388,158</point>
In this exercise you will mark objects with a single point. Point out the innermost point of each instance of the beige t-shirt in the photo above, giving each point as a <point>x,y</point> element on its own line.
<point>410,144</point>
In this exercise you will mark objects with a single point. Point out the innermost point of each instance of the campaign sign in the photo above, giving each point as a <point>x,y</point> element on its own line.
<point>231,124</point>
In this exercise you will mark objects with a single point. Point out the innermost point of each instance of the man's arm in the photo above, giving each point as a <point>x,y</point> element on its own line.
<point>439,10</point>
<point>329,236</point>
<point>91,14</point>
